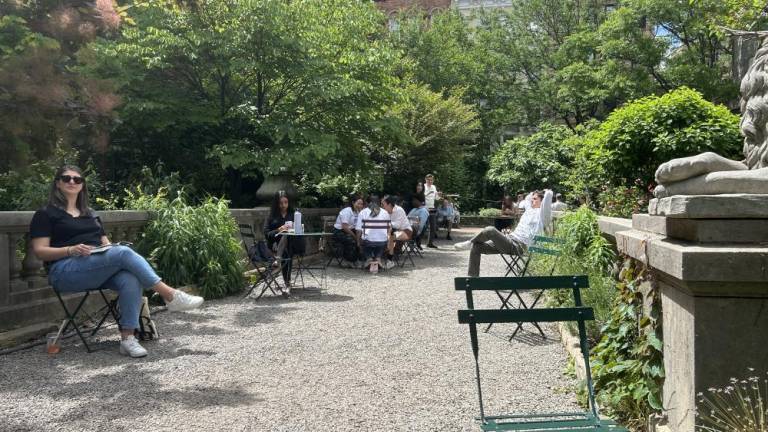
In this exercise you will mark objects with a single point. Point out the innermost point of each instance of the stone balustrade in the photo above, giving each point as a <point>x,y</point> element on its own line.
<point>26,299</point>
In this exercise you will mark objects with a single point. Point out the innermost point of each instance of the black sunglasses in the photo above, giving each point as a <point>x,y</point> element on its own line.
<point>68,178</point>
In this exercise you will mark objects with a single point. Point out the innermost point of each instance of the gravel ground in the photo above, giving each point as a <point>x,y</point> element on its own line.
<point>380,353</point>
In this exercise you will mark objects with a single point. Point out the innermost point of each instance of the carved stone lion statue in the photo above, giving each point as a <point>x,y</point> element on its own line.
<point>712,174</point>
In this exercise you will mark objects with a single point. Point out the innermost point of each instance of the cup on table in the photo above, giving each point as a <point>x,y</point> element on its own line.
<point>52,343</point>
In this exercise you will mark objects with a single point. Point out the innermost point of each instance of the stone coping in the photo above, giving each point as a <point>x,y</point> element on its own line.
<point>749,231</point>
<point>611,225</point>
<point>711,263</point>
<point>726,206</point>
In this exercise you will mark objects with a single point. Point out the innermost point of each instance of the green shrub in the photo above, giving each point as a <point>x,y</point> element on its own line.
<point>585,251</point>
<point>636,138</point>
<point>623,201</point>
<point>539,161</point>
<point>29,189</point>
<point>489,212</point>
<point>192,245</point>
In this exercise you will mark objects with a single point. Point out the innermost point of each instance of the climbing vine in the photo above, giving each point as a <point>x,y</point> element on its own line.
<point>627,363</point>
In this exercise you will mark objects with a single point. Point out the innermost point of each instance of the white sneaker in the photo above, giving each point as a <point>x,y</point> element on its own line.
<point>389,264</point>
<point>130,347</point>
<point>183,302</point>
<point>465,245</point>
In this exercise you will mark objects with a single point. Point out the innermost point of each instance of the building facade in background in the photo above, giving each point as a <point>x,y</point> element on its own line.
<point>391,7</point>
<point>467,7</point>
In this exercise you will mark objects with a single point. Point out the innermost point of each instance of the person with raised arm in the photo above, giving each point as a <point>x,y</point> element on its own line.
<point>537,216</point>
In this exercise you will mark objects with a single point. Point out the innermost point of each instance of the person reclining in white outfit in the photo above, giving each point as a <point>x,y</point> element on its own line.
<point>537,216</point>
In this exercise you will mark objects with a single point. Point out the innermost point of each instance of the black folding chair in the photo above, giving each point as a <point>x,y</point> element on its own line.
<point>560,422</point>
<point>415,241</point>
<point>263,261</point>
<point>542,245</point>
<point>406,249</point>
<point>330,246</point>
<point>109,309</point>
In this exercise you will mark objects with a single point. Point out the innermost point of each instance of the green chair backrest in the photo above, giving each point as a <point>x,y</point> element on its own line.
<point>579,313</point>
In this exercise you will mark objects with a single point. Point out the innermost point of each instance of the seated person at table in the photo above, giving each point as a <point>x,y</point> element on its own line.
<point>559,204</point>
<point>490,241</point>
<point>445,215</point>
<point>63,234</point>
<point>280,219</point>
<point>401,227</point>
<point>419,211</point>
<point>344,229</point>
<point>373,241</point>
<point>508,210</point>
<point>521,203</point>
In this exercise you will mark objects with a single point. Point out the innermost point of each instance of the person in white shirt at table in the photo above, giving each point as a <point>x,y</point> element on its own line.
<point>559,204</point>
<point>373,241</point>
<point>401,227</point>
<point>344,230</point>
<point>537,216</point>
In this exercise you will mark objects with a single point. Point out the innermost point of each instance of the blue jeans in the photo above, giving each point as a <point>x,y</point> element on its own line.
<point>374,250</point>
<point>119,269</point>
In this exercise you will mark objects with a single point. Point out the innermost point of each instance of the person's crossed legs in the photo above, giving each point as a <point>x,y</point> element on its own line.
<point>489,241</point>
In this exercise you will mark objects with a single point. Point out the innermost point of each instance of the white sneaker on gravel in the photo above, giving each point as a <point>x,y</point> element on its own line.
<point>389,265</point>
<point>130,347</point>
<point>465,245</point>
<point>183,302</point>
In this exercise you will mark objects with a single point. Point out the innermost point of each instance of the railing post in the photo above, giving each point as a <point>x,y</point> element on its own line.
<point>7,254</point>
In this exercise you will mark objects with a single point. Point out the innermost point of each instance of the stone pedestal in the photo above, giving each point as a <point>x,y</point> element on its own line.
<point>710,256</point>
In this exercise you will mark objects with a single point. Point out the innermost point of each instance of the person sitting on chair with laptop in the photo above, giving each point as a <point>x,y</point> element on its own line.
<point>537,216</point>
<point>66,234</point>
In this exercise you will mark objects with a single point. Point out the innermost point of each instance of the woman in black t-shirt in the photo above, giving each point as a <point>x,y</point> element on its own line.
<point>280,214</point>
<point>64,233</point>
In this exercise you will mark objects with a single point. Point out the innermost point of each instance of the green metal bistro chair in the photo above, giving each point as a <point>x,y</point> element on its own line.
<point>542,245</point>
<point>560,422</point>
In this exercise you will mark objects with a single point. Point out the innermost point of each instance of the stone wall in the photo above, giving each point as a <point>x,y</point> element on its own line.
<point>709,255</point>
<point>28,305</point>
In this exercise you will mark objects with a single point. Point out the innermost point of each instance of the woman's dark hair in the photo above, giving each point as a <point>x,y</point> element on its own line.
<point>422,187</point>
<point>57,199</point>
<point>539,193</point>
<point>353,199</point>
<point>274,210</point>
<point>390,199</point>
<point>374,204</point>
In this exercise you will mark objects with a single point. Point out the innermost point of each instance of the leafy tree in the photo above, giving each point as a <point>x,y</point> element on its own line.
<point>438,131</point>
<point>526,47</point>
<point>542,160</point>
<point>678,43</point>
<point>255,85</point>
<point>44,102</point>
